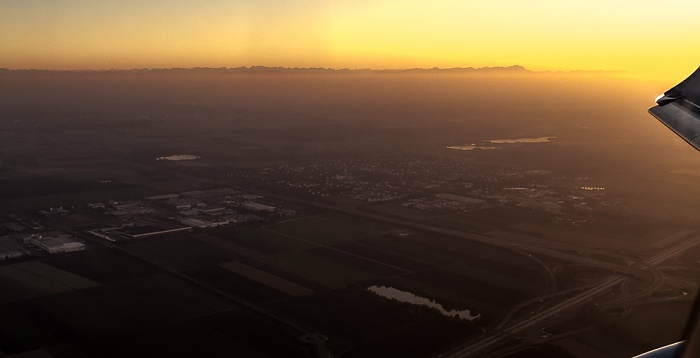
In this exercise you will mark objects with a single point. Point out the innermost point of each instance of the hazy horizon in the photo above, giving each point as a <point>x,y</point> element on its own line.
<point>543,35</point>
<point>389,178</point>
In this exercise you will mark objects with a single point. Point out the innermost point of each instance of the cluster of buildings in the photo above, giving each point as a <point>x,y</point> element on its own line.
<point>10,248</point>
<point>56,243</point>
<point>135,229</point>
<point>136,219</point>
<point>544,197</point>
<point>446,202</point>
<point>435,184</point>
<point>389,178</point>
<point>21,236</point>
<point>179,212</point>
<point>367,180</point>
<point>18,245</point>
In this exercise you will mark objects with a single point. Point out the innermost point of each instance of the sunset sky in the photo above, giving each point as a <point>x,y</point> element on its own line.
<point>646,38</point>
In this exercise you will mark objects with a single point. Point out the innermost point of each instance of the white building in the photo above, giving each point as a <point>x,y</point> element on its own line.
<point>462,199</point>
<point>257,207</point>
<point>55,244</point>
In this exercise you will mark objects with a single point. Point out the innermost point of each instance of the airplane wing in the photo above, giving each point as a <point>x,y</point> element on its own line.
<point>679,109</point>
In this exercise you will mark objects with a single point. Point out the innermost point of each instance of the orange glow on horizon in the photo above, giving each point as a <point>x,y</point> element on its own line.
<point>645,38</point>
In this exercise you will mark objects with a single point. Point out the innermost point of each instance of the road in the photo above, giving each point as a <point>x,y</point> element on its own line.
<point>514,329</point>
<point>472,349</point>
<point>501,242</point>
<point>495,337</point>
<point>634,271</point>
<point>505,243</point>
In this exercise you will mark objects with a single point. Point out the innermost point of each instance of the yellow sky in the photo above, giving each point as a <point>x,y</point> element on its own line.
<point>647,38</point>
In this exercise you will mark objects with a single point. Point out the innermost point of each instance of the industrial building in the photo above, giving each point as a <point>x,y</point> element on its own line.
<point>460,198</point>
<point>213,210</point>
<point>56,244</point>
<point>10,248</point>
<point>249,196</point>
<point>163,197</point>
<point>184,204</point>
<point>257,207</point>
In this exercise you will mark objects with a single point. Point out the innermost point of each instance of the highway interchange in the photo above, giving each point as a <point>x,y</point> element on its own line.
<point>481,346</point>
<point>622,268</point>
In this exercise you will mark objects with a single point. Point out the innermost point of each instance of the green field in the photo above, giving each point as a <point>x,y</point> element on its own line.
<point>535,286</point>
<point>323,271</point>
<point>117,307</point>
<point>405,212</point>
<point>43,278</point>
<point>19,332</point>
<point>658,323</point>
<point>181,339</point>
<point>288,267</point>
<point>263,241</point>
<point>324,229</point>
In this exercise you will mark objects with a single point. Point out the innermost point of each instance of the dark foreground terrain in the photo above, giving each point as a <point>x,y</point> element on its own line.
<point>288,213</point>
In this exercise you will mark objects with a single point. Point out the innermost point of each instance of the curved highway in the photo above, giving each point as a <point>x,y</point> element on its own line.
<point>490,340</point>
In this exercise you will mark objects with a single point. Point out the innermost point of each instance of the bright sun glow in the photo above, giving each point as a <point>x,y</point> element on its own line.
<point>621,35</point>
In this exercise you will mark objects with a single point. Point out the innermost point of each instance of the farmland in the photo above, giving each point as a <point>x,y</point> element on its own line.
<point>305,208</point>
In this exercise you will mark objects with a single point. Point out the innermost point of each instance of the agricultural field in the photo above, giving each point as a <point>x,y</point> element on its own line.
<point>269,339</point>
<point>93,313</point>
<point>101,265</point>
<point>300,274</point>
<point>325,229</point>
<point>180,252</point>
<point>303,270</point>
<point>34,278</point>
<point>262,241</point>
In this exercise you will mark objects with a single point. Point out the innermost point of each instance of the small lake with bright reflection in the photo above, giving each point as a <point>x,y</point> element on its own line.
<point>473,146</point>
<point>408,297</point>
<point>178,157</point>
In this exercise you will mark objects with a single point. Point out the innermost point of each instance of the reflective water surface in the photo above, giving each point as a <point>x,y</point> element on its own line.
<point>521,140</point>
<point>178,157</point>
<point>408,297</point>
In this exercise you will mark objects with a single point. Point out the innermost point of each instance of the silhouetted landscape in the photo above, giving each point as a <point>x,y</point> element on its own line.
<point>315,212</point>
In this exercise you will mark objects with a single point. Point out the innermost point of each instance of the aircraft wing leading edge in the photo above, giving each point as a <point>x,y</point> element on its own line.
<point>679,109</point>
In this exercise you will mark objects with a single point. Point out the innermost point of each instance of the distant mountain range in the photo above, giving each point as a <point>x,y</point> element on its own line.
<point>282,70</point>
<point>515,69</point>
